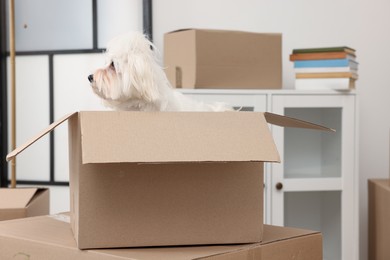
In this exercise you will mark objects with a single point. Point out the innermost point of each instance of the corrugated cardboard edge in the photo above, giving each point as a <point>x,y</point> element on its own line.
<point>48,129</point>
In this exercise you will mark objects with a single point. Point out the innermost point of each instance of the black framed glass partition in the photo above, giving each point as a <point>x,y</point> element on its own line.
<point>57,44</point>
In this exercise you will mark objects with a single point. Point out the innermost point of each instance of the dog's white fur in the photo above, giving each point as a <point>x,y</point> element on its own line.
<point>133,80</point>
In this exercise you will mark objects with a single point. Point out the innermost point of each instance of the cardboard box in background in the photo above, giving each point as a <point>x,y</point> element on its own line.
<point>196,58</point>
<point>171,178</point>
<point>378,219</point>
<point>50,237</point>
<point>23,202</point>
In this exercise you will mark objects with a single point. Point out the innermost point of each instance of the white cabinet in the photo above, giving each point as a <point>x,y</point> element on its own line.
<point>246,101</point>
<point>315,185</point>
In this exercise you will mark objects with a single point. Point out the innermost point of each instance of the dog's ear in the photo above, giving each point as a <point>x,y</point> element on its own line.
<point>143,75</point>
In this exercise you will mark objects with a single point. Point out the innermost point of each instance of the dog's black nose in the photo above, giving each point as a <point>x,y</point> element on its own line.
<point>90,78</point>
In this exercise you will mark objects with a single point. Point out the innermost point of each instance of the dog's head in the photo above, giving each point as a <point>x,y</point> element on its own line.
<point>130,72</point>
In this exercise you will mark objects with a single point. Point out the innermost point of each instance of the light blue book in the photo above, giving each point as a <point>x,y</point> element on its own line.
<point>325,63</point>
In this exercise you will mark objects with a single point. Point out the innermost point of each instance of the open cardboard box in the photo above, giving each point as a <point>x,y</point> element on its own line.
<point>199,58</point>
<point>378,219</point>
<point>23,202</point>
<point>168,178</point>
<point>50,237</point>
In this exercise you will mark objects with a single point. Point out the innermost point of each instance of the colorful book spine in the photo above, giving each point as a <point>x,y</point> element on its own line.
<point>326,49</point>
<point>326,75</point>
<point>322,84</point>
<point>325,83</point>
<point>325,63</point>
<point>325,69</point>
<point>321,56</point>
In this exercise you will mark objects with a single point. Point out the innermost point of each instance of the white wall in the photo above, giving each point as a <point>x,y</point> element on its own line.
<point>363,25</point>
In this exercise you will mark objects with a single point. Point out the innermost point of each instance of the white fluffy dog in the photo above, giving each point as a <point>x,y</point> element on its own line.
<point>133,80</point>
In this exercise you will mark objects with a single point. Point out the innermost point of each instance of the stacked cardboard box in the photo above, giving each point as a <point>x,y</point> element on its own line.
<point>50,237</point>
<point>23,202</point>
<point>199,58</point>
<point>378,219</point>
<point>379,216</point>
<point>169,179</point>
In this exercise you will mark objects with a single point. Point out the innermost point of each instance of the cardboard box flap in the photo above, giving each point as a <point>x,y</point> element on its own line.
<point>181,30</point>
<point>218,30</point>
<point>37,137</point>
<point>16,198</point>
<point>155,137</point>
<point>285,121</point>
<point>147,137</point>
<point>196,30</point>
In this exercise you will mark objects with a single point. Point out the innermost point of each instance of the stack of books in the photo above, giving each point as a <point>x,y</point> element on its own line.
<point>325,68</point>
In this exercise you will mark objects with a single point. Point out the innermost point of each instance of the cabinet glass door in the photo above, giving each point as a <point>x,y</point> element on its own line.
<point>313,187</point>
<point>319,153</point>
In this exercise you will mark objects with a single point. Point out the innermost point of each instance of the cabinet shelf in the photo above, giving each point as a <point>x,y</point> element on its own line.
<point>318,184</point>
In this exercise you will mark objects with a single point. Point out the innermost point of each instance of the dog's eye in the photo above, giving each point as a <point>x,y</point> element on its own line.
<point>112,65</point>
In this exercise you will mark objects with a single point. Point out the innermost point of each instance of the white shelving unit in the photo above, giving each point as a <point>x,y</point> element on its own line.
<point>316,184</point>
